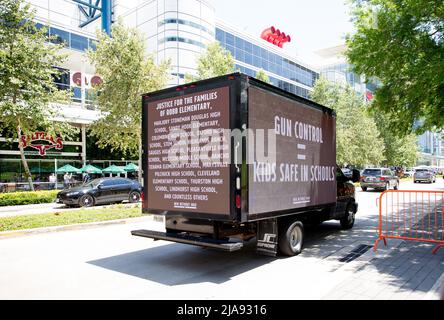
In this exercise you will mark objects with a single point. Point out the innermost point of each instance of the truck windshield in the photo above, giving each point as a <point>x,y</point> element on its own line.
<point>372,172</point>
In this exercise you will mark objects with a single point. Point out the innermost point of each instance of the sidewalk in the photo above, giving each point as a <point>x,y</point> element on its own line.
<point>52,207</point>
<point>407,271</point>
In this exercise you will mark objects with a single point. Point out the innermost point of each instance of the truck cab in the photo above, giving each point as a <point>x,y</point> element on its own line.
<point>347,205</point>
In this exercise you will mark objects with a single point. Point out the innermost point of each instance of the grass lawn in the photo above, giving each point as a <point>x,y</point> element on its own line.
<point>68,217</point>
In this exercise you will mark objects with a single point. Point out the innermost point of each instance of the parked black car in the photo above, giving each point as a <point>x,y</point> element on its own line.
<point>101,191</point>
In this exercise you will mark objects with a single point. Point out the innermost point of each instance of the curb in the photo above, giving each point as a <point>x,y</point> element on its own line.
<point>72,227</point>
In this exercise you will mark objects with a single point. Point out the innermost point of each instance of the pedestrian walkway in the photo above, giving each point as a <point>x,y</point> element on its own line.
<point>53,207</point>
<point>9,211</point>
<point>406,272</point>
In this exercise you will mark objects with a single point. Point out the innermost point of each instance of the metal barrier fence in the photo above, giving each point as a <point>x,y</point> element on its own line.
<point>411,215</point>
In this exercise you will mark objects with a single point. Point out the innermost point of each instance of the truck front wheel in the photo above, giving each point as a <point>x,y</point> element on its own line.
<point>348,220</point>
<point>291,238</point>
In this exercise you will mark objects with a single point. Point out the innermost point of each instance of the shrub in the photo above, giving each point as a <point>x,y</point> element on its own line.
<point>21,198</point>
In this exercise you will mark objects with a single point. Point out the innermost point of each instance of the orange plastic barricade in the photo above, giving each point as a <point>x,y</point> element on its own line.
<point>411,215</point>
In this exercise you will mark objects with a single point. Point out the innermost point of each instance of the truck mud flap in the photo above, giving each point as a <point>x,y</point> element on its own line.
<point>267,237</point>
<point>188,239</point>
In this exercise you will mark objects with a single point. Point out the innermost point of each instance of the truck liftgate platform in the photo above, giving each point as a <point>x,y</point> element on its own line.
<point>189,239</point>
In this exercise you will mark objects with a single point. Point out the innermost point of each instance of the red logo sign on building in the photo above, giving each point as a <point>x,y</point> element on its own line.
<point>275,36</point>
<point>42,142</point>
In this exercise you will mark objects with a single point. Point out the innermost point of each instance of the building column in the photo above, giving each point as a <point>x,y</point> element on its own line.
<point>83,130</point>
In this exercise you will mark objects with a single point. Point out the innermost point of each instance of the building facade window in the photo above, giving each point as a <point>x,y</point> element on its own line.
<point>181,39</point>
<point>70,40</point>
<point>258,57</point>
<point>187,23</point>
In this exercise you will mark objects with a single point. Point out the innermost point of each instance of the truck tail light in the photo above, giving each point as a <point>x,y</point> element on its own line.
<point>238,201</point>
<point>142,198</point>
<point>382,179</point>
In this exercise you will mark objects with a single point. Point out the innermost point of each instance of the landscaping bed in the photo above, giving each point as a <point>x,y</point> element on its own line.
<point>27,197</point>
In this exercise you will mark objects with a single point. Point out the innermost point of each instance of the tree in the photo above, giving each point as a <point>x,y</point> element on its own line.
<point>357,137</point>
<point>127,73</point>
<point>401,43</point>
<point>216,61</point>
<point>400,151</point>
<point>26,77</point>
<point>261,75</point>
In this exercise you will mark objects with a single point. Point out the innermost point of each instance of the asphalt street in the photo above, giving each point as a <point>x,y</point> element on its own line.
<point>109,263</point>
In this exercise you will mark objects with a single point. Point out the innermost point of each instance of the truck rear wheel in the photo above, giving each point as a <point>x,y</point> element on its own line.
<point>291,238</point>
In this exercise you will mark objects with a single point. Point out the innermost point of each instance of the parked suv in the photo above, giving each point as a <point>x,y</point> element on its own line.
<point>426,175</point>
<point>379,178</point>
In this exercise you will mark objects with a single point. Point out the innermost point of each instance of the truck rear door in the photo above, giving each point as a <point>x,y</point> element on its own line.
<point>186,169</point>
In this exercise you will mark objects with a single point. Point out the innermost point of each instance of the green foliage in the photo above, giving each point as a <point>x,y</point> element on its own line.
<point>399,150</point>
<point>401,42</point>
<point>261,75</point>
<point>22,198</point>
<point>357,137</point>
<point>68,217</point>
<point>127,73</point>
<point>26,76</point>
<point>216,61</point>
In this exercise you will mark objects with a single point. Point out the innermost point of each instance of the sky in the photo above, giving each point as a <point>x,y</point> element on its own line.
<point>312,24</point>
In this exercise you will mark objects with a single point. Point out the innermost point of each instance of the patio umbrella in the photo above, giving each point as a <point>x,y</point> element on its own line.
<point>131,167</point>
<point>68,168</point>
<point>91,169</point>
<point>114,170</point>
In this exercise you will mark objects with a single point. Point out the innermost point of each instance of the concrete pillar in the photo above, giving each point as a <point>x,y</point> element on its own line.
<point>83,130</point>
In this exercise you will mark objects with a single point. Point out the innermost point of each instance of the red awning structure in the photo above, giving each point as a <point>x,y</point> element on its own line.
<point>275,36</point>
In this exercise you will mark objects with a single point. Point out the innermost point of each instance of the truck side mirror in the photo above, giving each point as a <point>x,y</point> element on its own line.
<point>356,175</point>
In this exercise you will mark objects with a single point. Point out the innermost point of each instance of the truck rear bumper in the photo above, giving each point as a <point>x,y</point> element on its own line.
<point>188,239</point>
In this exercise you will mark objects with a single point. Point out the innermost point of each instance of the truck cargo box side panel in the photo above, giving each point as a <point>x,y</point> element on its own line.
<point>191,125</point>
<point>303,173</point>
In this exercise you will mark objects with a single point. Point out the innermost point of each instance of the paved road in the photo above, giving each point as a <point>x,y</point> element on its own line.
<point>108,263</point>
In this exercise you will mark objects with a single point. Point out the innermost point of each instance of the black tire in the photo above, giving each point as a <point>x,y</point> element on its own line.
<point>86,201</point>
<point>387,186</point>
<point>291,238</point>
<point>396,187</point>
<point>348,221</point>
<point>364,189</point>
<point>134,197</point>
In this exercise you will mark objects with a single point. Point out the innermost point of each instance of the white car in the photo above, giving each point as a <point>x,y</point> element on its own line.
<point>409,173</point>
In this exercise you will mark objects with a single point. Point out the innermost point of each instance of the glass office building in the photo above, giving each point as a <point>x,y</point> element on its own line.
<point>252,54</point>
<point>173,30</point>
